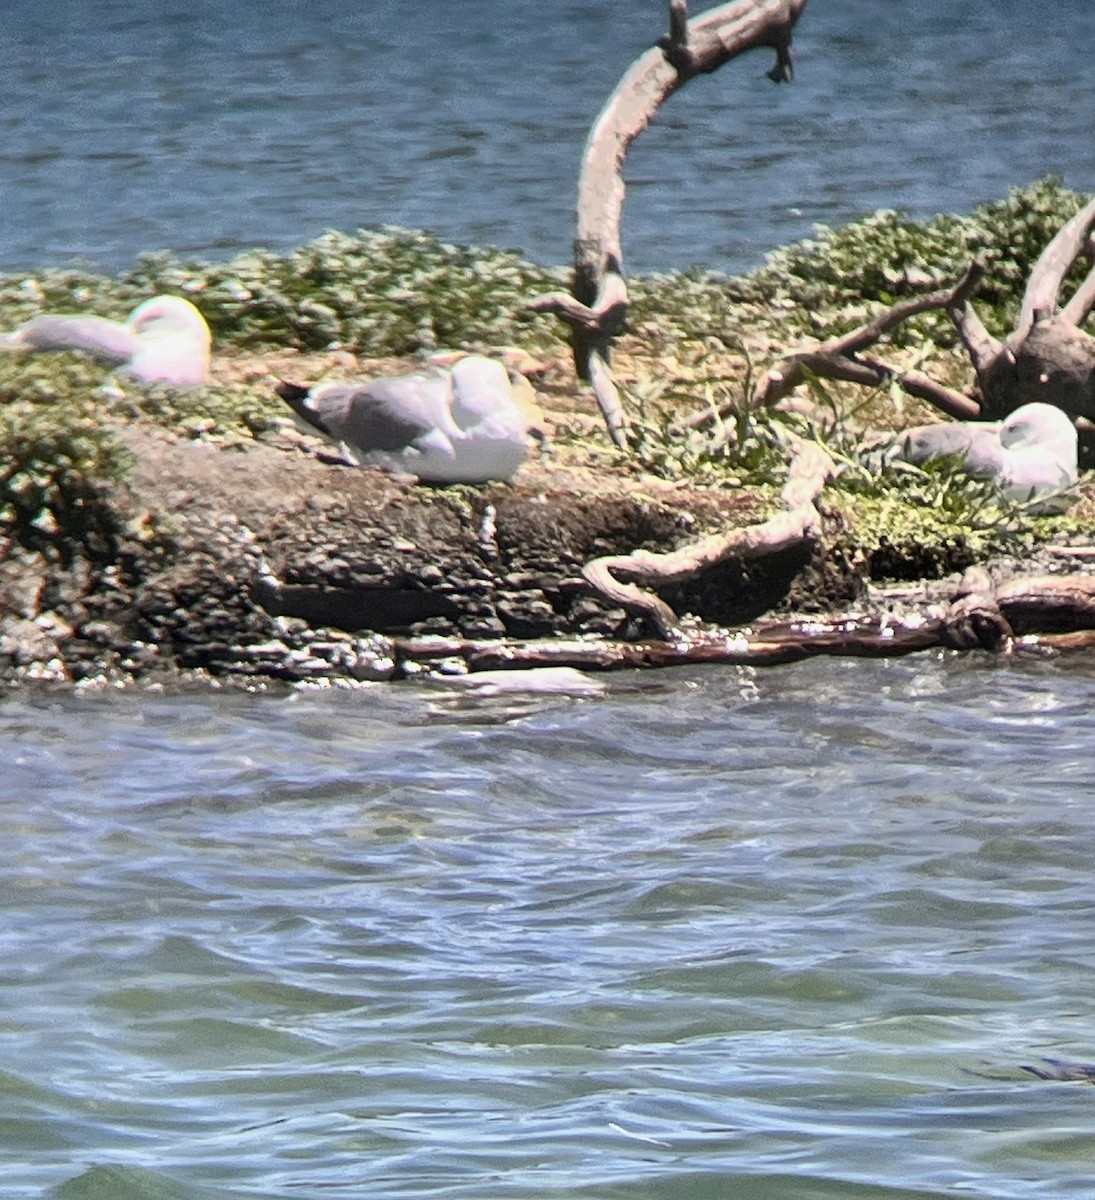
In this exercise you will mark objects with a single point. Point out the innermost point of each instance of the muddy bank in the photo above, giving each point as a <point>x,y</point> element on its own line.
<point>150,536</point>
<point>267,562</point>
<point>263,562</point>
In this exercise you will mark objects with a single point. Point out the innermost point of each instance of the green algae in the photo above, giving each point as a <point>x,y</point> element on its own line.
<point>234,413</point>
<point>60,459</point>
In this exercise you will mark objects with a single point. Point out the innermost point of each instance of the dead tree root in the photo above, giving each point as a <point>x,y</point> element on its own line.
<point>597,310</point>
<point>797,524</point>
<point>1034,613</point>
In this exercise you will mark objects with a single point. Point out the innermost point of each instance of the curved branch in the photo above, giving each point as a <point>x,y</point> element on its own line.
<point>1040,297</point>
<point>713,39</point>
<point>1083,300</point>
<point>691,48</point>
<point>837,359</point>
<point>798,523</point>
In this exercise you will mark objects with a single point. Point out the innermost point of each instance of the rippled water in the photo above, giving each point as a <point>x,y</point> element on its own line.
<point>787,935</point>
<point>210,125</point>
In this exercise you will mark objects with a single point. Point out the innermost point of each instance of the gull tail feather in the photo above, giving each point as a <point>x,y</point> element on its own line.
<point>296,397</point>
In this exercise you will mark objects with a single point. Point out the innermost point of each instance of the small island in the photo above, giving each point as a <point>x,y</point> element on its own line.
<point>154,535</point>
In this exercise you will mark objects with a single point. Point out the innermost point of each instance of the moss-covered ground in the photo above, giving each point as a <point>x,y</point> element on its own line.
<point>347,305</point>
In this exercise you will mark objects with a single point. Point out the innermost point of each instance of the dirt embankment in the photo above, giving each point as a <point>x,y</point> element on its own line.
<point>247,561</point>
<point>270,562</point>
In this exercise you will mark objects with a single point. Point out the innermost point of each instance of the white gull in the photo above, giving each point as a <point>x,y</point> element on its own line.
<point>1031,454</point>
<point>164,340</point>
<point>464,424</point>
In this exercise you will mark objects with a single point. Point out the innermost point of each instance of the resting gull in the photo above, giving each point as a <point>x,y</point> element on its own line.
<point>1031,454</point>
<point>164,340</point>
<point>464,424</point>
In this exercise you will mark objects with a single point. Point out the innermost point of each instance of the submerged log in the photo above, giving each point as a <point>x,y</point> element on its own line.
<point>1046,604</point>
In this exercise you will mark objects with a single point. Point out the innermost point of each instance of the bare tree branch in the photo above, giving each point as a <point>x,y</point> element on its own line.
<point>838,359</point>
<point>1040,297</point>
<point>692,47</point>
<point>984,350</point>
<point>890,318</point>
<point>798,523</point>
<point>1075,312</point>
<point>713,39</point>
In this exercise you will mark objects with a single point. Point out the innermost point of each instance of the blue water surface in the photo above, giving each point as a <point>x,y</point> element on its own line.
<point>784,936</point>
<point>209,125</point>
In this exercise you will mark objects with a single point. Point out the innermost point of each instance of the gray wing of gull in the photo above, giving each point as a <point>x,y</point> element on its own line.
<point>978,443</point>
<point>383,415</point>
<point>390,414</point>
<point>102,339</point>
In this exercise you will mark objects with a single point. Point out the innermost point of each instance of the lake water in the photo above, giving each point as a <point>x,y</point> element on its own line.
<point>785,935</point>
<point>789,935</point>
<point>210,125</point>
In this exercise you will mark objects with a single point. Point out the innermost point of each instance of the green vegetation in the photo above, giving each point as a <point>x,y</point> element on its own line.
<point>59,460</point>
<point>398,293</point>
<point>887,256</point>
<point>909,522</point>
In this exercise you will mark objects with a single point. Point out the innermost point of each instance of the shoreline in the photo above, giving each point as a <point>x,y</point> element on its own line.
<point>158,537</point>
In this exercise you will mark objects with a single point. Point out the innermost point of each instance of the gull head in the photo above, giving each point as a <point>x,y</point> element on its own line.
<point>1040,425</point>
<point>172,342</point>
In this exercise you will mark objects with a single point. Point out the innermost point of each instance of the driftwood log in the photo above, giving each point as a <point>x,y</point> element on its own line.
<point>798,523</point>
<point>1047,358</point>
<point>1041,613</point>
<point>597,309</point>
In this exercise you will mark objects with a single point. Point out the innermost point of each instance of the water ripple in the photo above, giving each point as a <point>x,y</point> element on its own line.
<point>792,934</point>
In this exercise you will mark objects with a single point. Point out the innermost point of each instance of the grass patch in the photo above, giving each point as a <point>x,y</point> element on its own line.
<point>395,293</point>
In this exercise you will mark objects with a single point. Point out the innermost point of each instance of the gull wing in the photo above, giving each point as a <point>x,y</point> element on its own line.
<point>386,415</point>
<point>102,339</point>
<point>978,443</point>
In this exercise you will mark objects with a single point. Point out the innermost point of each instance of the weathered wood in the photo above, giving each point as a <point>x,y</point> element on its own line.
<point>1054,364</point>
<point>1047,358</point>
<point>1076,311</point>
<point>866,335</point>
<point>980,618</point>
<point>974,620</point>
<point>712,40</point>
<point>984,350</point>
<point>1054,263</point>
<point>798,524</point>
<point>838,358</point>
<point>1048,603</point>
<point>694,47</point>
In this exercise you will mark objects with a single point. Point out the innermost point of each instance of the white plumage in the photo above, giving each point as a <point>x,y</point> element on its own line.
<point>463,424</point>
<point>1031,454</point>
<point>164,340</point>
